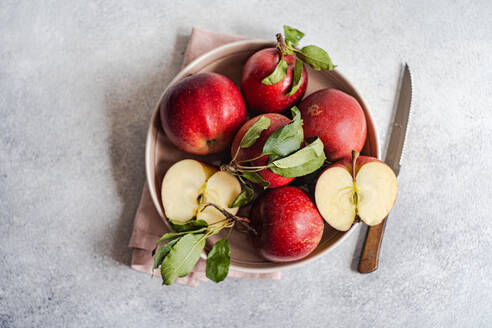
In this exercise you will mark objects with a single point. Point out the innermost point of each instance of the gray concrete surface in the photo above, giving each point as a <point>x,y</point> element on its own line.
<point>78,82</point>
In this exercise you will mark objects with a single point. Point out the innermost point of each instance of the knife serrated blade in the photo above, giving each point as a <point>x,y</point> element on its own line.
<point>370,253</point>
<point>399,129</point>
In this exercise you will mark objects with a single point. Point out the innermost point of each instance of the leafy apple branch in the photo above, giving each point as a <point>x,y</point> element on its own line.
<point>285,155</point>
<point>177,257</point>
<point>312,55</point>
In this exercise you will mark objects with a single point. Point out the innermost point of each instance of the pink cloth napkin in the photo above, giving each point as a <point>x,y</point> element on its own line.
<point>148,225</point>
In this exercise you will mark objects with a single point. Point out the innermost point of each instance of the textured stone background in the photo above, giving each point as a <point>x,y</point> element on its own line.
<point>78,82</point>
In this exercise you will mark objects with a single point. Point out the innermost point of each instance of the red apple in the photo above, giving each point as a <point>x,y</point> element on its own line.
<point>288,224</point>
<point>276,122</point>
<point>201,113</point>
<point>369,192</point>
<point>273,98</point>
<point>337,119</point>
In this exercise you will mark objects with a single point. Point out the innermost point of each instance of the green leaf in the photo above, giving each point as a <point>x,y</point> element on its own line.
<point>311,151</point>
<point>278,74</point>
<point>297,77</point>
<point>296,113</point>
<point>285,140</point>
<point>301,170</point>
<point>171,235</point>
<point>303,162</point>
<point>255,178</point>
<point>316,57</point>
<point>188,226</point>
<point>162,252</point>
<point>218,261</point>
<point>182,257</point>
<point>292,35</point>
<point>254,132</point>
<point>244,197</point>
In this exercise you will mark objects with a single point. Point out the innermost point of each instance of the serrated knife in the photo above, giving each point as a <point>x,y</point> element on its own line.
<point>370,253</point>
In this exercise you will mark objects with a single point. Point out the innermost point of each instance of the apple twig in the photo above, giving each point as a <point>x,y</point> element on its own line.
<point>236,219</point>
<point>355,155</point>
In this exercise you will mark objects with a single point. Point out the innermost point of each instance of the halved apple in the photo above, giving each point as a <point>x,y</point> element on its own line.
<point>189,184</point>
<point>221,189</point>
<point>368,191</point>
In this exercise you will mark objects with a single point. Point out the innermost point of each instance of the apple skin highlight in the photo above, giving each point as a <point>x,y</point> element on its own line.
<point>201,113</point>
<point>273,98</point>
<point>288,224</point>
<point>337,119</point>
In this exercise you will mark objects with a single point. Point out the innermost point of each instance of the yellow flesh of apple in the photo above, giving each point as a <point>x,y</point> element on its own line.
<point>334,198</point>
<point>377,192</point>
<point>222,188</point>
<point>181,187</point>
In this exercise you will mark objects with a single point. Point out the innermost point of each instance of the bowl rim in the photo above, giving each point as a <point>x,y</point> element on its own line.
<point>184,71</point>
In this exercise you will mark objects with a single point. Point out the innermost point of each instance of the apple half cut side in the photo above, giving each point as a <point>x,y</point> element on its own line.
<point>371,195</point>
<point>222,189</point>
<point>189,184</point>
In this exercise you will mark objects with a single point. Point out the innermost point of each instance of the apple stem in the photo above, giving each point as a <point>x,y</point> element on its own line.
<point>243,221</point>
<point>236,154</point>
<point>251,168</point>
<point>251,159</point>
<point>234,167</point>
<point>355,155</point>
<point>282,46</point>
<point>280,43</point>
<point>230,232</point>
<point>231,167</point>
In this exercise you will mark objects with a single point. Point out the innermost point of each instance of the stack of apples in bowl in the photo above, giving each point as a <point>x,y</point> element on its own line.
<point>264,173</point>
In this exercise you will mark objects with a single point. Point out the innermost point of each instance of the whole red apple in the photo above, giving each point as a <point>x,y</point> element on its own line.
<point>201,113</point>
<point>273,98</point>
<point>276,122</point>
<point>288,224</point>
<point>337,119</point>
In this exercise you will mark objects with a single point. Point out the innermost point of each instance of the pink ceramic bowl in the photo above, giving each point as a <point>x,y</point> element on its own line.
<point>161,154</point>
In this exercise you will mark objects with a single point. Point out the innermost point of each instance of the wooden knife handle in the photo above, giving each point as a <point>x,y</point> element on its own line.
<point>370,254</point>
